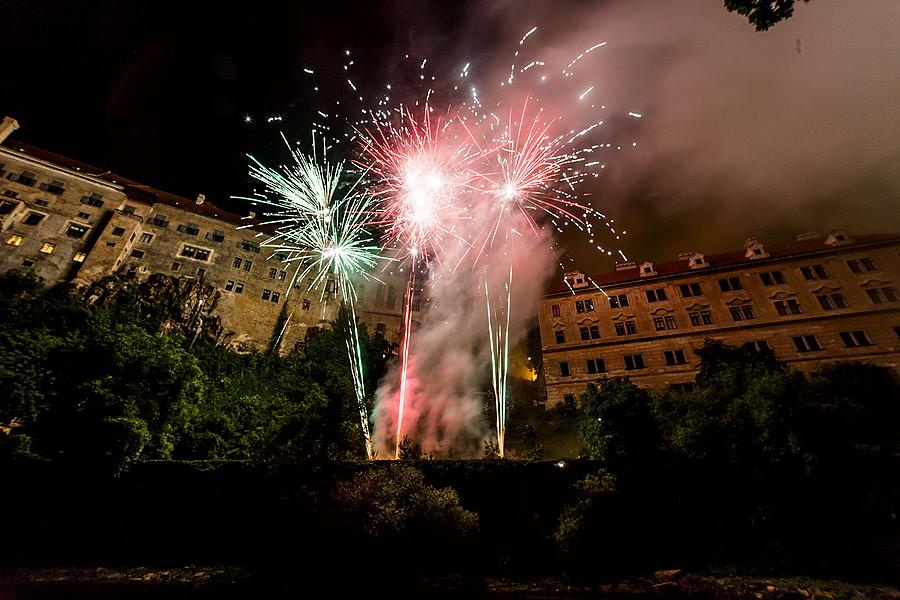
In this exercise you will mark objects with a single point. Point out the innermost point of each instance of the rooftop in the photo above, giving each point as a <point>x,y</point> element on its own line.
<point>805,244</point>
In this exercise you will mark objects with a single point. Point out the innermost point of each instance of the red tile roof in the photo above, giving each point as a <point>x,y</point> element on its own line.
<point>133,189</point>
<point>715,261</point>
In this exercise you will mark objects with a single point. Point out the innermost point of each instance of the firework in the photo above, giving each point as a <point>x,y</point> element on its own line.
<point>324,233</point>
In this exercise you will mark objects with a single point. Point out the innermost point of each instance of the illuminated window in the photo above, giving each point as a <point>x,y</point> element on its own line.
<point>14,240</point>
<point>76,231</point>
<point>48,248</point>
<point>266,294</point>
<point>79,257</point>
<point>275,296</point>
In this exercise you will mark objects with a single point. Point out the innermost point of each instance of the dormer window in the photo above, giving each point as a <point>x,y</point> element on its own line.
<point>697,261</point>
<point>754,249</point>
<point>837,238</point>
<point>576,280</point>
<point>647,269</point>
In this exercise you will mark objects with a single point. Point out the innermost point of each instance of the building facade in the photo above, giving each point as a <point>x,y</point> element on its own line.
<point>65,221</point>
<point>817,300</point>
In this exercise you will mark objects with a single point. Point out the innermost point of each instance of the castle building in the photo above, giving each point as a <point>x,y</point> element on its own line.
<point>814,301</point>
<point>65,221</point>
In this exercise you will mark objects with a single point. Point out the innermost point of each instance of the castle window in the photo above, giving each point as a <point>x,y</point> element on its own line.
<point>24,178</point>
<point>7,207</point>
<point>83,215</point>
<point>48,248</point>
<point>137,254</point>
<point>771,278</point>
<point>237,263</point>
<point>564,369</point>
<point>852,339</point>
<point>596,365</point>
<point>579,306</point>
<point>195,253</point>
<point>118,231</point>
<point>626,328</point>
<point>789,307</point>
<point>55,187</point>
<point>266,294</point>
<point>14,240</point>
<point>76,231</point>
<point>248,246</point>
<point>282,275</point>
<point>306,304</point>
<point>634,361</point>
<point>248,264</point>
<point>585,334</point>
<point>275,296</point>
<point>159,220</point>
<point>595,332</point>
<point>742,313</point>
<point>698,318</point>
<point>656,295</point>
<point>560,336</point>
<point>189,228</point>
<point>589,305</point>
<point>10,194</point>
<point>757,346</point>
<point>675,357</point>
<point>554,310</point>
<point>95,199</point>
<point>176,265</point>
<point>862,264</point>
<point>41,202</point>
<point>730,284</point>
<point>887,294</point>
<point>273,272</point>
<point>689,290</point>
<point>239,287</point>
<point>831,301</point>
<point>201,272</point>
<point>215,236</point>
<point>618,301</point>
<point>229,285</point>
<point>33,218</point>
<point>806,343</point>
<point>814,272</point>
<point>79,257</point>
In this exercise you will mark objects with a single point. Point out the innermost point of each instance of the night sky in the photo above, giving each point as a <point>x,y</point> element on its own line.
<point>743,133</point>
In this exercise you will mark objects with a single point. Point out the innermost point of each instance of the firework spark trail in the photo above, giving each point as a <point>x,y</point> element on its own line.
<point>499,345</point>
<point>404,354</point>
<point>326,235</point>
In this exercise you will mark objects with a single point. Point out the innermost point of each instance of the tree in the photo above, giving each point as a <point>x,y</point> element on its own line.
<point>617,423</point>
<point>762,14</point>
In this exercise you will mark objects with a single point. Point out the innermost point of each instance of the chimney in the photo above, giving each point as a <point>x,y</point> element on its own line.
<point>7,127</point>
<point>200,199</point>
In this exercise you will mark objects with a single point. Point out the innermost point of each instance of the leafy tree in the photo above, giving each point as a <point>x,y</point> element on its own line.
<point>763,14</point>
<point>617,423</point>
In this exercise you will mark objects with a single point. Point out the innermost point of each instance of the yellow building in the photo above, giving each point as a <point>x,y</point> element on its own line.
<point>63,220</point>
<point>817,300</point>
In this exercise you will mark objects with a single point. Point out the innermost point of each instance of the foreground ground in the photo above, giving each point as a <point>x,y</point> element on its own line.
<point>196,582</point>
